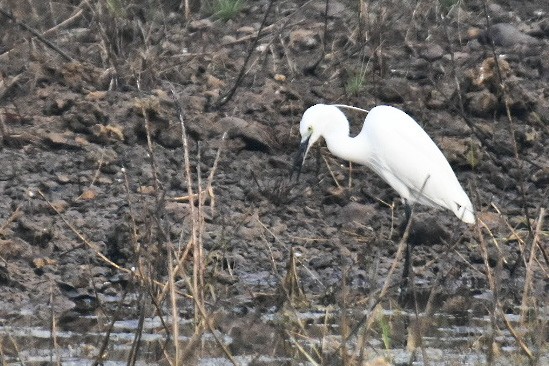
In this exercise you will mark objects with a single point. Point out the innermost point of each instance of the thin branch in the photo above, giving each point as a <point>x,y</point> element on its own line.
<point>224,99</point>
<point>35,33</point>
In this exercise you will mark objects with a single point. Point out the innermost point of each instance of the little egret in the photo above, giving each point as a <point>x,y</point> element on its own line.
<point>394,146</point>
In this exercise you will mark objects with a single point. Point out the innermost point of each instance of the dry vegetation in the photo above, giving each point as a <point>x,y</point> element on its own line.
<point>145,153</point>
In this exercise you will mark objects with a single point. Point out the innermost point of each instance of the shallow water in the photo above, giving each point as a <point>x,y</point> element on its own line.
<point>447,340</point>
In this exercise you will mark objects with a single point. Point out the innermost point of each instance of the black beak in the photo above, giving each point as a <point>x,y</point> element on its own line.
<point>300,158</point>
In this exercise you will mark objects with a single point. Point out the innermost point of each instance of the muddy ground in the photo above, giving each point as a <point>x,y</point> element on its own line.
<point>81,189</point>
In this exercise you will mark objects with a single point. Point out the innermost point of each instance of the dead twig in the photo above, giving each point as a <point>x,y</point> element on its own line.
<point>519,339</point>
<point>35,33</point>
<point>511,124</point>
<point>530,265</point>
<point>224,99</point>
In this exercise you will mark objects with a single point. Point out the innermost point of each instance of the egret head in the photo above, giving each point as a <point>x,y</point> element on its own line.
<point>317,121</point>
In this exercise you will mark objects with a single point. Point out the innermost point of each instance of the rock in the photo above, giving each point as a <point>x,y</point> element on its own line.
<point>58,106</point>
<point>322,261</point>
<point>228,39</point>
<point>419,69</point>
<point>40,263</point>
<point>335,8</point>
<point>473,33</point>
<point>427,231</point>
<point>481,103</point>
<point>541,176</point>
<point>35,233</point>
<point>246,30</point>
<point>63,178</point>
<point>256,135</point>
<point>201,24</point>
<point>500,180</point>
<point>14,248</point>
<point>61,141</point>
<point>457,304</point>
<point>492,220</point>
<point>249,234</point>
<point>498,14</point>
<point>486,76</point>
<point>394,90</point>
<point>179,211</point>
<point>355,211</point>
<point>455,148</point>
<point>59,206</point>
<point>336,195</point>
<point>505,34</point>
<point>103,134</point>
<point>436,100</point>
<point>379,361</point>
<point>544,26</point>
<point>432,52</point>
<point>527,136</point>
<point>304,39</point>
<point>520,99</point>
<point>170,138</point>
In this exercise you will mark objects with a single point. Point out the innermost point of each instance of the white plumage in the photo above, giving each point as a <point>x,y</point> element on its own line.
<point>394,146</point>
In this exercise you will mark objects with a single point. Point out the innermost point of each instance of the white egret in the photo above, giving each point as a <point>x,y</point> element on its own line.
<point>394,146</point>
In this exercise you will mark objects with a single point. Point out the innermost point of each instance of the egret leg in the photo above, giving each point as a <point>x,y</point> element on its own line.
<point>407,253</point>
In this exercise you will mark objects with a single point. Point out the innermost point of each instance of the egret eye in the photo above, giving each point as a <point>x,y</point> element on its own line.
<point>310,128</point>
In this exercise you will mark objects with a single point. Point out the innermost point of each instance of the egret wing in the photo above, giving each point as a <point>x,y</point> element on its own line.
<point>406,157</point>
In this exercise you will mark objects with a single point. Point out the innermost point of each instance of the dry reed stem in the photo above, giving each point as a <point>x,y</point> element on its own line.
<point>200,223</point>
<point>204,193</point>
<point>197,286</point>
<point>100,358</point>
<point>300,348</point>
<point>213,170</point>
<point>187,5</point>
<point>521,242</point>
<point>289,304</point>
<point>530,267</point>
<point>151,153</point>
<point>209,190</point>
<point>98,170</point>
<point>275,269</point>
<point>198,276</point>
<point>517,338</point>
<point>175,312</point>
<point>367,318</point>
<point>134,236</point>
<point>492,280</point>
<point>92,246</point>
<point>16,349</point>
<point>83,239</point>
<point>190,348</point>
<point>202,196</point>
<point>208,321</point>
<point>511,124</point>
<point>166,285</point>
<point>54,345</point>
<point>132,357</point>
<point>331,172</point>
<point>6,87</point>
<point>14,216</point>
<point>492,238</point>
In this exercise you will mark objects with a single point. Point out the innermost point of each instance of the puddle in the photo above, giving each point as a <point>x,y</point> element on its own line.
<point>272,339</point>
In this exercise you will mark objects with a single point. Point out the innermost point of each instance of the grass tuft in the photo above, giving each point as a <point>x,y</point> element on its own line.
<point>224,9</point>
<point>355,84</point>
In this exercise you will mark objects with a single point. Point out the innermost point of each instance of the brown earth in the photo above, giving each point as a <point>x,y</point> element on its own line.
<point>76,163</point>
